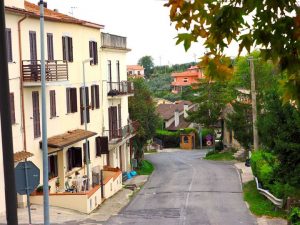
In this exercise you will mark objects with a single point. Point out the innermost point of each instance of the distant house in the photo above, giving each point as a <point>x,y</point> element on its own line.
<point>135,71</point>
<point>159,101</point>
<point>186,78</point>
<point>174,115</point>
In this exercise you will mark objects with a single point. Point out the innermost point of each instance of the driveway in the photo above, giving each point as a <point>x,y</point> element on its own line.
<point>186,190</point>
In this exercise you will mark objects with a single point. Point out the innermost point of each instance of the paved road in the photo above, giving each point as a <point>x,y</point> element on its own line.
<point>186,190</point>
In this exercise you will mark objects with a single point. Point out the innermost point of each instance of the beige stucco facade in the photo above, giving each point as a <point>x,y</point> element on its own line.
<point>63,122</point>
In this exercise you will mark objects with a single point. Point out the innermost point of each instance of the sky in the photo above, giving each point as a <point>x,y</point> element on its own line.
<point>145,23</point>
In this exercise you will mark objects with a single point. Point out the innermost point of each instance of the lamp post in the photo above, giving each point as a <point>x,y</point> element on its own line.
<point>85,122</point>
<point>44,118</point>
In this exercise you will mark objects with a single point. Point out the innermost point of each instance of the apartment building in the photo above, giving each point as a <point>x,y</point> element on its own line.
<point>70,43</point>
<point>117,90</point>
<point>135,71</point>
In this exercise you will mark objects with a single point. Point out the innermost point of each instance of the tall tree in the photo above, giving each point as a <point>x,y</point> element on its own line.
<point>142,109</point>
<point>274,28</point>
<point>147,63</point>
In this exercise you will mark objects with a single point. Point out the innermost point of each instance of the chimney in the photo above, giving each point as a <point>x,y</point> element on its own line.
<point>185,109</point>
<point>45,4</point>
<point>176,116</point>
<point>56,10</point>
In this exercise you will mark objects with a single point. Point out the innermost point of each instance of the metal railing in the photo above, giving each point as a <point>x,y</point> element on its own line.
<point>56,70</point>
<point>119,88</point>
<point>276,201</point>
<point>121,133</point>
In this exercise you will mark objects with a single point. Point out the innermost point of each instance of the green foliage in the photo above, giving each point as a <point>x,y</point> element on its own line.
<point>207,131</point>
<point>258,204</point>
<point>169,139</point>
<point>167,133</point>
<point>147,63</point>
<point>217,156</point>
<point>274,29</point>
<point>142,109</point>
<point>294,216</point>
<point>145,168</point>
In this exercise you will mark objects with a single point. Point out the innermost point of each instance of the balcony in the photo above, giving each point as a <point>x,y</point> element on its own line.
<point>113,41</point>
<point>56,70</point>
<point>119,88</point>
<point>115,136</point>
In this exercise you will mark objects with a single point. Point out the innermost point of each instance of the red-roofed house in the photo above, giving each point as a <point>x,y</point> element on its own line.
<point>186,78</point>
<point>135,71</point>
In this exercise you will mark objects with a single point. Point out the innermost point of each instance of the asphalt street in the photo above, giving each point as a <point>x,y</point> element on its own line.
<point>187,190</point>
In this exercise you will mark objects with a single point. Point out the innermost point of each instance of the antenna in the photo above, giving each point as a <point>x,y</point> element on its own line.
<point>72,10</point>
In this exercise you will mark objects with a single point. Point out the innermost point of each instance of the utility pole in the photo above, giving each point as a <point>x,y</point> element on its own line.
<point>7,141</point>
<point>44,119</point>
<point>254,106</point>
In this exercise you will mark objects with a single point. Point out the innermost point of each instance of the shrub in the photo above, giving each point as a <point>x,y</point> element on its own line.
<point>219,146</point>
<point>169,139</point>
<point>294,216</point>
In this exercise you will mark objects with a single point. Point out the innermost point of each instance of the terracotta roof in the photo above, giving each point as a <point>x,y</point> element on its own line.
<point>135,67</point>
<point>22,155</point>
<point>182,124</point>
<point>166,111</point>
<point>34,11</point>
<point>69,138</point>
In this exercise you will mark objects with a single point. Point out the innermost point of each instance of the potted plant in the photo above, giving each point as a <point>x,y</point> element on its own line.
<point>39,189</point>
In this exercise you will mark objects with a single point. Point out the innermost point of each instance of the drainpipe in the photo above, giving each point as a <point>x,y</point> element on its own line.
<point>21,84</point>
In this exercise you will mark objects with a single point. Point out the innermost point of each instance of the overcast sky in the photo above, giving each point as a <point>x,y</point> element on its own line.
<point>145,23</point>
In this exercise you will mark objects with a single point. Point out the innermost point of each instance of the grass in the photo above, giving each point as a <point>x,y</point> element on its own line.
<point>146,168</point>
<point>258,204</point>
<point>223,156</point>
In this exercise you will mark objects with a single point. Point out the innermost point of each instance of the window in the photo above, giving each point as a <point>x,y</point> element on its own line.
<point>185,79</point>
<point>50,46</point>
<point>95,97</point>
<point>93,52</point>
<point>8,44</point>
<point>52,166</point>
<point>185,139</point>
<point>119,116</point>
<point>67,44</point>
<point>71,99</point>
<point>52,104</point>
<point>74,156</point>
<point>101,145</point>
<point>113,122</point>
<point>32,44</point>
<point>118,70</point>
<point>82,106</point>
<point>12,108</point>
<point>109,71</point>
<point>84,155</point>
<point>36,114</point>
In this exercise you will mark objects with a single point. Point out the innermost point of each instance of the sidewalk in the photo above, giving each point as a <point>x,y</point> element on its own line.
<point>58,215</point>
<point>246,176</point>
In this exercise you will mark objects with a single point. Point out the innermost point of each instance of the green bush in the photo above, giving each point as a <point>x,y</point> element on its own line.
<point>294,216</point>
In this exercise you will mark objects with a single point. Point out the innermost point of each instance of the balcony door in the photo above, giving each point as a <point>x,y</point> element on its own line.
<point>113,122</point>
<point>33,56</point>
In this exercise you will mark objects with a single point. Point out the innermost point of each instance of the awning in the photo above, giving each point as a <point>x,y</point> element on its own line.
<point>22,155</point>
<point>69,138</point>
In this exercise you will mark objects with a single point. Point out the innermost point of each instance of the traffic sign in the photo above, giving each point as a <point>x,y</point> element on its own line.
<point>32,172</point>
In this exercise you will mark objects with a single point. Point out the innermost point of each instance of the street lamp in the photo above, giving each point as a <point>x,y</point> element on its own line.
<point>85,122</point>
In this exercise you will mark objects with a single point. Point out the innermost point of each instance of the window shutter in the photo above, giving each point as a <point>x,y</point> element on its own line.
<point>70,158</point>
<point>91,52</point>
<point>73,100</point>
<point>98,146</point>
<point>104,145</point>
<point>64,48</point>
<point>52,104</point>
<point>87,104</point>
<point>95,53</point>
<point>97,96</point>
<point>32,42</point>
<point>8,44</point>
<point>81,106</point>
<point>110,123</point>
<point>84,155</point>
<point>114,121</point>
<point>93,96</point>
<point>50,46</point>
<point>120,116</point>
<point>70,49</point>
<point>12,108</point>
<point>36,114</point>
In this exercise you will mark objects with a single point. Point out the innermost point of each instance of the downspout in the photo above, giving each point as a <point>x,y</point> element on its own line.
<point>21,84</point>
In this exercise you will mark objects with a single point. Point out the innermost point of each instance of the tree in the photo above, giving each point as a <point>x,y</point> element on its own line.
<point>274,28</point>
<point>147,63</point>
<point>142,110</point>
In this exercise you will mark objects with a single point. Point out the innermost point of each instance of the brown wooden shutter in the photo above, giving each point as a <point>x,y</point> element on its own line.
<point>87,104</point>
<point>36,114</point>
<point>73,100</point>
<point>64,48</point>
<point>120,116</point>
<point>8,44</point>
<point>81,106</point>
<point>50,46</point>
<point>70,49</point>
<point>32,43</point>
<point>91,52</point>
<point>97,96</point>
<point>84,155</point>
<point>95,53</point>
<point>110,123</point>
<point>93,96</point>
<point>98,146</point>
<point>52,104</point>
<point>68,100</point>
<point>12,108</point>
<point>104,145</point>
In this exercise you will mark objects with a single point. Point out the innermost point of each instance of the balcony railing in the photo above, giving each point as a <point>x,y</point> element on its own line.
<point>56,70</point>
<point>119,88</point>
<point>121,133</point>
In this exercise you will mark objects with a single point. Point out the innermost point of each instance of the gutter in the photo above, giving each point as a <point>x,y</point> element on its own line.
<point>21,83</point>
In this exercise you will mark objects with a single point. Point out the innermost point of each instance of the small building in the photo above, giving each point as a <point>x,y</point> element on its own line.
<point>135,71</point>
<point>187,141</point>
<point>186,78</point>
